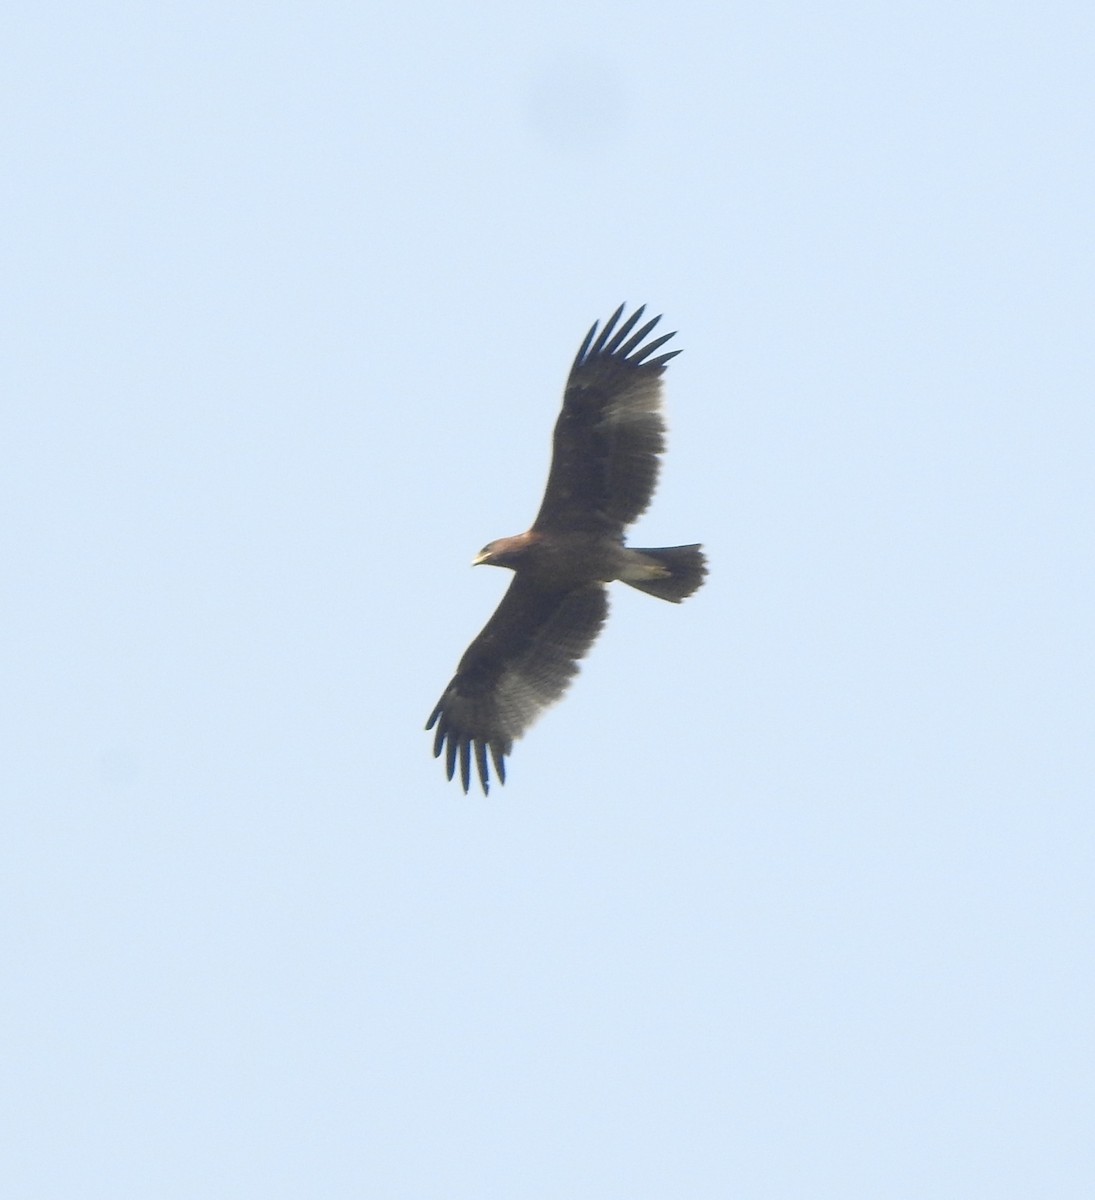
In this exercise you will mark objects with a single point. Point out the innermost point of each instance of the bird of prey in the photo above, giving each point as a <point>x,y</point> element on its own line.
<point>604,469</point>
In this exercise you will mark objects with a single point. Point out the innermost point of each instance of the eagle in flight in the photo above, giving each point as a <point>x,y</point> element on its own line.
<point>604,469</point>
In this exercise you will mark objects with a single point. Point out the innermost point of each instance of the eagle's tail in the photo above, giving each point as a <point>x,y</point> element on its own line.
<point>670,573</point>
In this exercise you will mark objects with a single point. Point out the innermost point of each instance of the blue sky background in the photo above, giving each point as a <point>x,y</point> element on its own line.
<point>794,895</point>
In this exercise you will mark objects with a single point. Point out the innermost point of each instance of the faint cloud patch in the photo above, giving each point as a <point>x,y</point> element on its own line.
<point>119,767</point>
<point>575,104</point>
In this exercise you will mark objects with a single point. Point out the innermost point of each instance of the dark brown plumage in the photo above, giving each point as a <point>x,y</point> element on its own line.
<point>604,470</point>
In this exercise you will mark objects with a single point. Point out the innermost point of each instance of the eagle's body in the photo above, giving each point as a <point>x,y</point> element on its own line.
<point>604,469</point>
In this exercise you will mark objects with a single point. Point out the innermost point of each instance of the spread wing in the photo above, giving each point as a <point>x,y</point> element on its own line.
<point>604,464</point>
<point>523,661</point>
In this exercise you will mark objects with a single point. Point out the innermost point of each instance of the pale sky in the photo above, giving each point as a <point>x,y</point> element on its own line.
<point>794,894</point>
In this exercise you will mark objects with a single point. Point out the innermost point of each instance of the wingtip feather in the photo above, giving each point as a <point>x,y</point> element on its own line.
<point>599,345</point>
<point>613,346</point>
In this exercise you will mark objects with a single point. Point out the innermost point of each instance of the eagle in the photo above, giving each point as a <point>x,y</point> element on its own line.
<point>604,469</point>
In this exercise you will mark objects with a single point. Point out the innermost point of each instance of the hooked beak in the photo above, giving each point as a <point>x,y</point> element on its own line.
<point>481,558</point>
